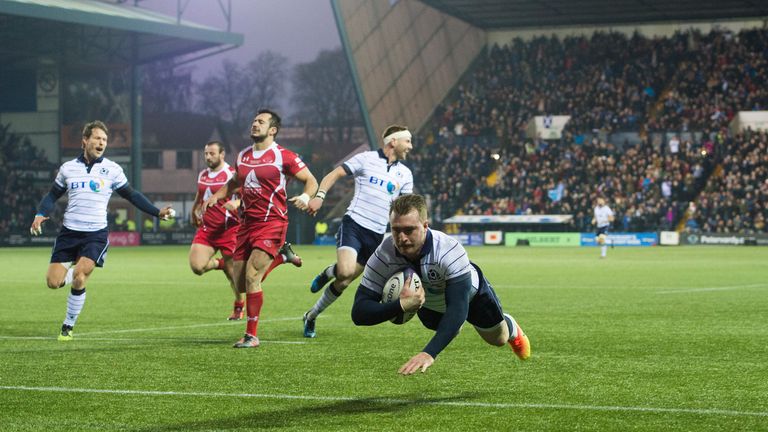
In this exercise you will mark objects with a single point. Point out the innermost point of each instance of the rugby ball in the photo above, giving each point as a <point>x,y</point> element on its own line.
<point>392,290</point>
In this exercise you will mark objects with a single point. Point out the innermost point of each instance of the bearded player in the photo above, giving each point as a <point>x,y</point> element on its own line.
<point>262,171</point>
<point>217,228</point>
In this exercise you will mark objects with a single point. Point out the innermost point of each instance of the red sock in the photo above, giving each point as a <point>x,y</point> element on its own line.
<point>239,304</point>
<point>220,262</point>
<point>275,262</point>
<point>253,309</point>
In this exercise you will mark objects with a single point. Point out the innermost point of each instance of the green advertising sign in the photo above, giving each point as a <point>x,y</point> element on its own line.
<point>543,239</point>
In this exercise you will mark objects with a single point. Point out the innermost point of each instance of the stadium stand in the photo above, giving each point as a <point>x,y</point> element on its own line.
<point>690,85</point>
<point>735,198</point>
<point>21,188</point>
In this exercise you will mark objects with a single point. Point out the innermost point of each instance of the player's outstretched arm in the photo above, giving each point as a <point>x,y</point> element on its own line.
<point>325,185</point>
<point>310,186</point>
<point>419,362</point>
<point>144,204</point>
<point>457,293</point>
<point>166,213</point>
<point>44,209</point>
<point>37,225</point>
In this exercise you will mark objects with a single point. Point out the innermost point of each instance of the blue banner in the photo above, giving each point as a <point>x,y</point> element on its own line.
<point>470,239</point>
<point>623,239</point>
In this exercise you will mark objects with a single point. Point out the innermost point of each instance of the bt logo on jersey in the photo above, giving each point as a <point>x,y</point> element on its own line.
<point>94,185</point>
<point>391,187</point>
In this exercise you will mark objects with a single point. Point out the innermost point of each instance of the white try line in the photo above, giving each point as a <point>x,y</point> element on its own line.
<point>708,289</point>
<point>218,324</point>
<point>151,329</point>
<point>146,339</point>
<point>388,401</point>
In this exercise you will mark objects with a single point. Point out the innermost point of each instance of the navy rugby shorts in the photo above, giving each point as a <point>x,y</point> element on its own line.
<point>354,236</point>
<point>70,245</point>
<point>485,309</point>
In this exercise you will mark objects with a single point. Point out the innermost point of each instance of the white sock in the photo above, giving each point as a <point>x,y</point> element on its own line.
<point>330,271</point>
<point>512,325</point>
<point>603,250</point>
<point>69,276</point>
<point>75,304</point>
<point>322,303</point>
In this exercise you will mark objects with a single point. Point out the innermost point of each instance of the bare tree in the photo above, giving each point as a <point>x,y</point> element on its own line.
<point>167,87</point>
<point>324,95</point>
<point>236,92</point>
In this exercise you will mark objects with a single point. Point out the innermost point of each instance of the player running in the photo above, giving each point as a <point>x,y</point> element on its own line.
<point>217,227</point>
<point>380,177</point>
<point>603,218</point>
<point>262,174</point>
<point>89,181</point>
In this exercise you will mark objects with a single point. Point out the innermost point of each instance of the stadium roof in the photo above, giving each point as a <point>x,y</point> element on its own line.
<point>32,28</point>
<point>519,14</point>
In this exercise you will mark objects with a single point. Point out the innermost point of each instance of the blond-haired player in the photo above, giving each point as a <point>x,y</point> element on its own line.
<point>380,177</point>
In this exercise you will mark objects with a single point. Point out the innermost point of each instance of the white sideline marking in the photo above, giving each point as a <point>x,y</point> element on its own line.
<point>218,324</point>
<point>701,411</point>
<point>145,339</point>
<point>723,288</point>
<point>139,330</point>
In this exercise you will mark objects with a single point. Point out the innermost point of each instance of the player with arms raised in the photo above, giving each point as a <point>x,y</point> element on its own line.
<point>262,173</point>
<point>455,289</point>
<point>89,181</point>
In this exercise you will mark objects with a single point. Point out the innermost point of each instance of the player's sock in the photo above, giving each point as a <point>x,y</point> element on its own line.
<point>279,259</point>
<point>219,263</point>
<point>69,276</point>
<point>329,296</point>
<point>330,271</point>
<point>253,303</point>
<point>237,311</point>
<point>511,325</point>
<point>603,250</point>
<point>75,303</point>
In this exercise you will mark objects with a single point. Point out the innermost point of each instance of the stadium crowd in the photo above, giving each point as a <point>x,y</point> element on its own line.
<point>719,75</point>
<point>736,196</point>
<point>607,83</point>
<point>478,159</point>
<point>21,189</point>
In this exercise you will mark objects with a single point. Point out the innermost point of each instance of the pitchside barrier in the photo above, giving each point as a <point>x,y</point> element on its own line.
<point>474,238</point>
<point>565,239</point>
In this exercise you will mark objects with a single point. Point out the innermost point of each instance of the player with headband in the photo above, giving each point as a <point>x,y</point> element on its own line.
<point>380,177</point>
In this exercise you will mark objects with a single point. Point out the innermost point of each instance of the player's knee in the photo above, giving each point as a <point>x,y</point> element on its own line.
<point>496,337</point>
<point>197,269</point>
<point>54,283</point>
<point>341,284</point>
<point>345,276</point>
<point>79,279</point>
<point>499,341</point>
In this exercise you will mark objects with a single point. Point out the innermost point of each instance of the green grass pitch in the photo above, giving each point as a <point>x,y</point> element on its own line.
<point>649,339</point>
